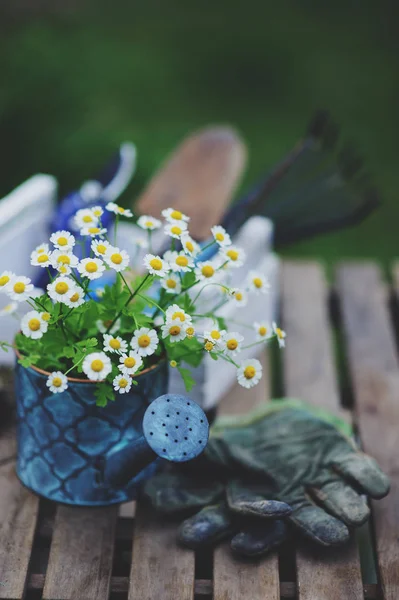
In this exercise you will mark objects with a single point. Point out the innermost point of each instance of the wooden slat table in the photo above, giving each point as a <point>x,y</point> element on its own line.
<point>59,553</point>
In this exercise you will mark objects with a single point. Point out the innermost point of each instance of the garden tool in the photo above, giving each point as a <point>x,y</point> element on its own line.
<point>285,466</point>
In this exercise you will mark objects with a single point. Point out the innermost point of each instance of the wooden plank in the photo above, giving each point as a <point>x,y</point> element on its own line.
<point>235,579</point>
<point>81,554</point>
<point>374,368</point>
<point>309,373</point>
<point>18,518</point>
<point>160,568</point>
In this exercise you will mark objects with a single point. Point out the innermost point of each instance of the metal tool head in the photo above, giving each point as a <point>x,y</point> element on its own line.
<point>176,428</point>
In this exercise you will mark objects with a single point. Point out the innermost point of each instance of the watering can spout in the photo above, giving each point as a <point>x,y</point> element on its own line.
<point>174,428</point>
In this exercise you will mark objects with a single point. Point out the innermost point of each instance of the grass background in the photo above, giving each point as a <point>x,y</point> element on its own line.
<point>77,79</point>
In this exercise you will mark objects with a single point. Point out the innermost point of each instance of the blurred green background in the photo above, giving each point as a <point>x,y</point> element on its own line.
<point>77,78</point>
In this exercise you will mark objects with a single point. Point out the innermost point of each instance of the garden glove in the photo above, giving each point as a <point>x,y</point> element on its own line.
<point>284,454</point>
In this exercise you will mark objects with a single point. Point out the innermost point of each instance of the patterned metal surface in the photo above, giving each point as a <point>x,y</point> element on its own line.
<point>63,438</point>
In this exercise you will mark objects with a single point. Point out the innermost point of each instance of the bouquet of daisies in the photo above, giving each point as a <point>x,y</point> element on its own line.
<point>154,308</point>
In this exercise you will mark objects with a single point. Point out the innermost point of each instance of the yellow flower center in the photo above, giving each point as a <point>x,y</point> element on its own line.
<point>116,258</point>
<point>74,297</point>
<point>97,365</point>
<point>149,223</point>
<point>34,324</point>
<point>19,287</point>
<point>279,333</point>
<point>64,259</point>
<point>232,254</point>
<point>98,212</point>
<point>176,230</point>
<point>207,271</point>
<point>121,210</point>
<point>215,334</point>
<point>40,250</point>
<point>238,296</point>
<point>249,372</point>
<point>123,382</point>
<point>257,282</point>
<point>174,330</point>
<point>219,237</point>
<point>57,382</point>
<point>156,264</point>
<point>101,249</point>
<point>129,362</point>
<point>190,246</point>
<point>232,344</point>
<point>62,241</point>
<point>171,283</point>
<point>262,330</point>
<point>42,258</point>
<point>176,214</point>
<point>91,267</point>
<point>209,346</point>
<point>63,269</point>
<point>94,230</point>
<point>182,261</point>
<point>87,219</point>
<point>144,341</point>
<point>115,344</point>
<point>179,315</point>
<point>4,280</point>
<point>61,287</point>
<point>46,316</point>
<point>190,331</point>
<point>173,364</point>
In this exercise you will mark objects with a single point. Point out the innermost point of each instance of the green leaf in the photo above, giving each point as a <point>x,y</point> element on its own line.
<point>188,379</point>
<point>104,393</point>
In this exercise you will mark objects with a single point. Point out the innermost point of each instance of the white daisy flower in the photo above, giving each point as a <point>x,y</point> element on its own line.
<point>179,261</point>
<point>130,363</point>
<point>64,261</point>
<point>33,326</point>
<point>175,330</point>
<point>122,383</point>
<point>97,211</point>
<point>189,245</point>
<point>114,344</point>
<point>249,373</point>
<point>190,331</point>
<point>175,312</point>
<point>148,222</point>
<point>42,248</point>
<point>5,279</point>
<point>9,309</point>
<point>61,288</point>
<point>239,297</point>
<point>63,240</point>
<point>232,342</point>
<point>118,210</point>
<point>171,284</point>
<point>221,236</point>
<point>45,316</point>
<point>214,335</point>
<point>102,326</point>
<point>100,247</point>
<point>144,341</point>
<point>93,231</point>
<point>206,271</point>
<point>75,298</point>
<point>96,366</point>
<point>117,259</point>
<point>57,382</point>
<point>156,265</point>
<point>40,259</point>
<point>85,218</point>
<point>175,230</point>
<point>19,288</point>
<point>258,283</point>
<point>263,330</point>
<point>174,216</point>
<point>281,335</point>
<point>92,268</point>
<point>235,256</point>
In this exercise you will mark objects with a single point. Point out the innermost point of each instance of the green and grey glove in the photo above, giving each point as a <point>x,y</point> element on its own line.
<point>285,463</point>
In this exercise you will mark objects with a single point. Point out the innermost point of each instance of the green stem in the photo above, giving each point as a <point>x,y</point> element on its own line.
<point>116,228</point>
<point>151,301</point>
<point>260,342</point>
<point>207,285</point>
<point>75,365</point>
<point>132,295</point>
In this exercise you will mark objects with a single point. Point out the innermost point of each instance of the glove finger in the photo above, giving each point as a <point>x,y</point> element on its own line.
<point>366,473</point>
<point>172,492</point>
<point>208,527</point>
<point>319,526</point>
<point>247,499</point>
<point>259,538</point>
<point>343,502</point>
